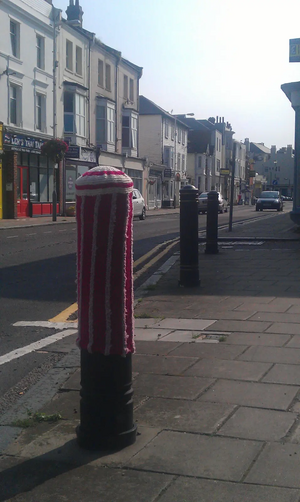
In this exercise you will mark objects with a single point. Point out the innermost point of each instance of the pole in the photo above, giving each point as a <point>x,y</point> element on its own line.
<point>54,195</point>
<point>176,194</point>
<point>189,264</point>
<point>232,186</point>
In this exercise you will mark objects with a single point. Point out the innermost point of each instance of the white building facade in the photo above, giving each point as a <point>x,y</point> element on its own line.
<point>26,107</point>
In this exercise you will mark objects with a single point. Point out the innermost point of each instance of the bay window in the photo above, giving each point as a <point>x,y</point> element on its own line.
<point>105,123</point>
<point>74,113</point>
<point>129,130</point>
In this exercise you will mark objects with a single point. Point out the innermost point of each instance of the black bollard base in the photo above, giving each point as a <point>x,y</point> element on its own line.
<point>189,276</point>
<point>211,248</point>
<point>106,405</point>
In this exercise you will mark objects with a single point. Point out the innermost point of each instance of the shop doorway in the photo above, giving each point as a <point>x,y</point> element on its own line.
<point>22,192</point>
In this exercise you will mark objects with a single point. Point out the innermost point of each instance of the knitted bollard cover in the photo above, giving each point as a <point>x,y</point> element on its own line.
<point>104,217</point>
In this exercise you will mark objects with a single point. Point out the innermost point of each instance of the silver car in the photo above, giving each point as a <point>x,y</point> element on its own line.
<point>269,200</point>
<point>139,208</point>
<point>202,205</point>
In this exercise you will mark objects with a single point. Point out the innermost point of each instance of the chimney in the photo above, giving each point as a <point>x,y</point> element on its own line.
<point>74,13</point>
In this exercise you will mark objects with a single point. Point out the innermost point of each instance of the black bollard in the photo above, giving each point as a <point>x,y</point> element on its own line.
<point>212,223</point>
<point>189,264</point>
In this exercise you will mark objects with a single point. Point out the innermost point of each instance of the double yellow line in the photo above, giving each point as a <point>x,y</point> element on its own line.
<point>145,262</point>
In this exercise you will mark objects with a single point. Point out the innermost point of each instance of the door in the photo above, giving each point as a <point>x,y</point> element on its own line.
<point>22,192</point>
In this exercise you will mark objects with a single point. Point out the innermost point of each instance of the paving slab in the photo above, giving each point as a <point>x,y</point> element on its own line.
<point>183,336</point>
<point>271,355</point>
<point>182,415</point>
<point>150,334</point>
<point>226,314</point>
<point>186,324</point>
<point>284,373</point>
<point>262,307</point>
<point>186,489</point>
<point>159,348</point>
<point>254,423</point>
<point>294,342</point>
<point>8,434</point>
<point>162,365</point>
<point>196,455</point>
<point>258,339</point>
<point>221,368</point>
<point>140,322</point>
<point>219,350</point>
<point>260,395</point>
<point>285,328</point>
<point>276,317</point>
<point>173,387</point>
<point>277,465</point>
<point>61,484</point>
<point>242,326</point>
<point>59,444</point>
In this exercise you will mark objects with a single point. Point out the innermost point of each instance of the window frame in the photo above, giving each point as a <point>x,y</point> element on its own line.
<point>100,73</point>
<point>132,129</point>
<point>40,56</point>
<point>108,122</point>
<point>40,109</point>
<point>15,47</point>
<point>125,87</point>
<point>131,90</point>
<point>107,76</point>
<point>78,61</point>
<point>18,104</point>
<point>166,129</point>
<point>69,55</point>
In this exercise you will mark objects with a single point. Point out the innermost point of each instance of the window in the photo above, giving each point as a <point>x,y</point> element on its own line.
<point>218,165</point>
<point>178,161</point>
<point>168,159</point>
<point>40,52</point>
<point>199,162</point>
<point>131,92</point>
<point>183,137</point>
<point>78,60</point>
<point>107,77</point>
<point>69,55</point>
<point>80,114</point>
<point>15,38</point>
<point>129,131</point>
<point>15,105</point>
<point>69,123</point>
<point>166,129</point>
<point>172,132</point>
<point>100,73</point>
<point>40,112</point>
<point>105,123</point>
<point>183,162</point>
<point>125,87</point>
<point>179,135</point>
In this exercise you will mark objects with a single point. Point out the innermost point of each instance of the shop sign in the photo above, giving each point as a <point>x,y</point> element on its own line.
<point>168,173</point>
<point>224,172</point>
<point>88,155</point>
<point>251,174</point>
<point>21,143</point>
<point>153,172</point>
<point>73,152</point>
<point>294,56</point>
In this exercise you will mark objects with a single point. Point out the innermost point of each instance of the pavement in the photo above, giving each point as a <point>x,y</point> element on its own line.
<point>47,220</point>
<point>216,379</point>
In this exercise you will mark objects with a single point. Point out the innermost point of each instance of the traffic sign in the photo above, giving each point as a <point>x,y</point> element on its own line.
<point>275,182</point>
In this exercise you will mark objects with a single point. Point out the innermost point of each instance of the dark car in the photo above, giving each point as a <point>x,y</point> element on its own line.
<point>269,200</point>
<point>202,205</point>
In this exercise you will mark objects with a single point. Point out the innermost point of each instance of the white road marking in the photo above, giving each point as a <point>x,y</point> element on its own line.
<point>35,346</point>
<point>49,232</point>
<point>31,234</point>
<point>12,236</point>
<point>46,324</point>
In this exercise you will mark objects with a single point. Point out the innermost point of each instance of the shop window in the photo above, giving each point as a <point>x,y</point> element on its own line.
<point>43,182</point>
<point>137,178</point>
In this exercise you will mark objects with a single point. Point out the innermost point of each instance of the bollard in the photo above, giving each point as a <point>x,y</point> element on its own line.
<point>105,308</point>
<point>189,264</point>
<point>212,223</point>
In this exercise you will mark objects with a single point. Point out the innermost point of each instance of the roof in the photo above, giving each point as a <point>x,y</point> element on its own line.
<point>148,107</point>
<point>193,124</point>
<point>199,142</point>
<point>260,147</point>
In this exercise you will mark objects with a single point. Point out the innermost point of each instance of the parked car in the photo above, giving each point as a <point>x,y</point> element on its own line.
<point>269,200</point>
<point>202,204</point>
<point>139,208</point>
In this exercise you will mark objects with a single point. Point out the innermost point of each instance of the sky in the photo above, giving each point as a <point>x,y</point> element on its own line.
<point>225,58</point>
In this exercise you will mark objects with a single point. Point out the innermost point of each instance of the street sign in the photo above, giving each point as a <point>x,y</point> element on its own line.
<point>274,182</point>
<point>294,56</point>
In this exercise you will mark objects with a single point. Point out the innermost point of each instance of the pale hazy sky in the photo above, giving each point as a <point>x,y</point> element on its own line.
<point>223,58</point>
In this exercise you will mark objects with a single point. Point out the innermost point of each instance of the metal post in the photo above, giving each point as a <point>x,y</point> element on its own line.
<point>54,193</point>
<point>189,264</point>
<point>212,223</point>
<point>232,187</point>
<point>105,308</point>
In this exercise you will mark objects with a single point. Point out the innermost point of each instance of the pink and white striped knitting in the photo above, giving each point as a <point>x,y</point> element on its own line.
<point>104,261</point>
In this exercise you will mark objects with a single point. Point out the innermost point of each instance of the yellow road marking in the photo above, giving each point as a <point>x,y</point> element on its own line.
<point>65,314</point>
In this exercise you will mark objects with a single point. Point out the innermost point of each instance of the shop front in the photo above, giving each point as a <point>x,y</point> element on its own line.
<point>78,161</point>
<point>27,177</point>
<point>168,193</point>
<point>154,188</point>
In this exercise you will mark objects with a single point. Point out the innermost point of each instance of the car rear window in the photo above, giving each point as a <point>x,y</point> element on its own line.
<point>203,196</point>
<point>269,195</point>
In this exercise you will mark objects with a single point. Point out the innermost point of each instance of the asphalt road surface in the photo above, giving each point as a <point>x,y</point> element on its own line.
<point>37,282</point>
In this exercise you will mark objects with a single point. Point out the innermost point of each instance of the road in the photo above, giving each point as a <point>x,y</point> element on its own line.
<point>37,282</point>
